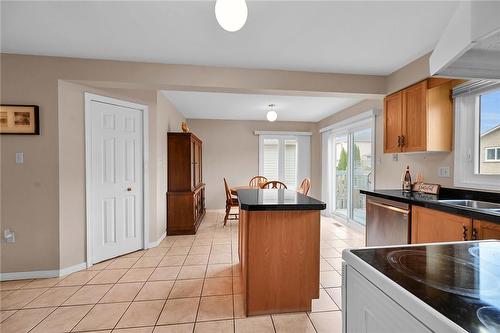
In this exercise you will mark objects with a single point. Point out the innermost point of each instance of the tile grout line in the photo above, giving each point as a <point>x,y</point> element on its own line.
<point>203,286</point>
<point>93,306</point>
<point>147,279</point>
<point>164,304</point>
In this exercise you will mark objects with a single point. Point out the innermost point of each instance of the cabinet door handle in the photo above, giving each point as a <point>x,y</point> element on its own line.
<point>402,140</point>
<point>474,233</point>
<point>465,233</point>
<point>399,140</point>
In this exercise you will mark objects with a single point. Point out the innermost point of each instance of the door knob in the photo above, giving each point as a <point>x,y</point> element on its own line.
<point>129,189</point>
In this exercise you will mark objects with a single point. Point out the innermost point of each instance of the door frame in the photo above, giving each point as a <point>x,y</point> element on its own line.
<point>89,97</point>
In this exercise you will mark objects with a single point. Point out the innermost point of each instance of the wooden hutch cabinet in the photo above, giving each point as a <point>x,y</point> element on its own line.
<point>186,190</point>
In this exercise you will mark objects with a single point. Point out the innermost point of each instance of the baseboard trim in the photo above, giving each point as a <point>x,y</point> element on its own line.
<point>75,268</point>
<point>42,274</point>
<point>157,242</point>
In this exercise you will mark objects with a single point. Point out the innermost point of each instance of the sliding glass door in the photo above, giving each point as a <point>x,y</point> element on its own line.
<point>341,180</point>
<point>352,166</point>
<point>362,172</point>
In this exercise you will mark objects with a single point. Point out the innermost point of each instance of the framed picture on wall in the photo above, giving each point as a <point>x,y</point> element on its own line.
<point>19,119</point>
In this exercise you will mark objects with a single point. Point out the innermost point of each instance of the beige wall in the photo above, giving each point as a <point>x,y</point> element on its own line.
<point>168,120</point>
<point>231,150</point>
<point>33,249</point>
<point>363,106</point>
<point>29,194</point>
<point>388,172</point>
<point>413,72</point>
<point>31,202</point>
<point>72,165</point>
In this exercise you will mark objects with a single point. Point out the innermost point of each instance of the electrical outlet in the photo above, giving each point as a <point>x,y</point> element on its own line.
<point>444,172</point>
<point>395,157</point>
<point>9,236</point>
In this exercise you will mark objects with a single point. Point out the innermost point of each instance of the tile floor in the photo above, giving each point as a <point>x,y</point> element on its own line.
<point>186,284</point>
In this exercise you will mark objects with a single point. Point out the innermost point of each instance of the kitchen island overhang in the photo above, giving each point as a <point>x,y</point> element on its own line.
<point>279,250</point>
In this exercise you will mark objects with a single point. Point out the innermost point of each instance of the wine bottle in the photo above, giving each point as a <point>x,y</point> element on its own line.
<point>407,180</point>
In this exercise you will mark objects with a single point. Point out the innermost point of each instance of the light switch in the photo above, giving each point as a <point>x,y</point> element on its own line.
<point>19,158</point>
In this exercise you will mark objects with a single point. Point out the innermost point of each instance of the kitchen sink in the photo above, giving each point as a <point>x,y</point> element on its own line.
<point>482,205</point>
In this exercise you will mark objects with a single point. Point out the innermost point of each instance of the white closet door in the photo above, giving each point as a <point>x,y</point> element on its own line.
<point>116,180</point>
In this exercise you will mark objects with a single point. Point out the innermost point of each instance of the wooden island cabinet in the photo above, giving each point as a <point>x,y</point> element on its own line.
<point>186,190</point>
<point>279,250</point>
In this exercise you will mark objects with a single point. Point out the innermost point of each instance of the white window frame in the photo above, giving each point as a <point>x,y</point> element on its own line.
<point>303,152</point>
<point>497,156</point>
<point>466,142</point>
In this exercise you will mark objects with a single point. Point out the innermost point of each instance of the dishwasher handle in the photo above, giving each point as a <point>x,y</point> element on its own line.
<point>395,209</point>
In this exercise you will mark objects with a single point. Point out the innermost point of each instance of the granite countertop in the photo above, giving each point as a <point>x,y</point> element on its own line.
<point>432,201</point>
<point>274,199</point>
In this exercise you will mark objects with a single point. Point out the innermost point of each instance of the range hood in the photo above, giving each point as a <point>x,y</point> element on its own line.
<point>470,45</point>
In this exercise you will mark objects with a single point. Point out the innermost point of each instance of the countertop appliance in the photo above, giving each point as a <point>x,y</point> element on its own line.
<point>445,287</point>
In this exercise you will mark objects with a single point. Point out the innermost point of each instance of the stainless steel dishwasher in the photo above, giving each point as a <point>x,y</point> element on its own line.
<point>387,222</point>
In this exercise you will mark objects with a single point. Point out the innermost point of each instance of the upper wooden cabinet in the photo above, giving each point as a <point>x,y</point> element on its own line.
<point>393,120</point>
<point>419,118</point>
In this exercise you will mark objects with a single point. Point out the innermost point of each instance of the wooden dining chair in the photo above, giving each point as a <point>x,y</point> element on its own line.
<point>273,184</point>
<point>230,203</point>
<point>257,181</point>
<point>304,186</point>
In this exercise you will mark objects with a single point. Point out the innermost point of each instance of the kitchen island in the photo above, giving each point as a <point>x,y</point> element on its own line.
<point>279,250</point>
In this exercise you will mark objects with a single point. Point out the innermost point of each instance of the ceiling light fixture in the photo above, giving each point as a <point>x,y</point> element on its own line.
<point>271,114</point>
<point>231,14</point>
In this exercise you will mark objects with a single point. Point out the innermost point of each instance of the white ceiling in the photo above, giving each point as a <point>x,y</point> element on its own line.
<point>209,105</point>
<point>364,37</point>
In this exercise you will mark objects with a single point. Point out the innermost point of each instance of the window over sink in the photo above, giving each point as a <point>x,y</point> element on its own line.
<point>477,135</point>
<point>489,133</point>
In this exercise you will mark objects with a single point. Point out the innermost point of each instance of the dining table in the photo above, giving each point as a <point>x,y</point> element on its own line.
<point>234,190</point>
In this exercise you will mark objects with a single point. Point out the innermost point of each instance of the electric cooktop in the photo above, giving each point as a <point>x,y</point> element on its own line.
<point>461,280</point>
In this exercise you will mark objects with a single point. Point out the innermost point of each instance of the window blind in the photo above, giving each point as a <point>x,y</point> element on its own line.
<point>290,165</point>
<point>474,87</point>
<point>271,158</point>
